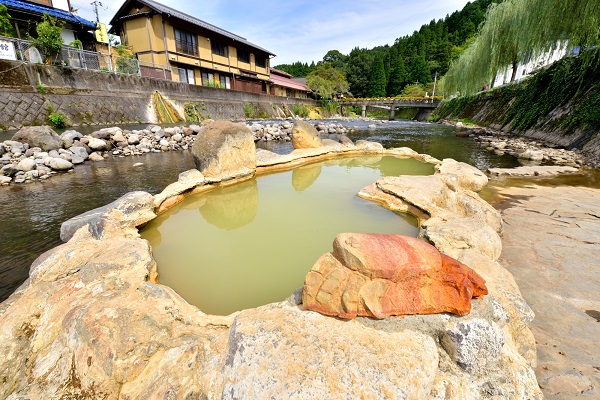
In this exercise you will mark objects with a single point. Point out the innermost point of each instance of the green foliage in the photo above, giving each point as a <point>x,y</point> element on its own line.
<point>6,28</point>
<point>297,68</point>
<point>572,84</point>
<point>57,119</point>
<point>327,81</point>
<point>192,112</point>
<point>76,44</point>
<point>126,62</point>
<point>377,80</point>
<point>48,37</point>
<point>411,58</point>
<point>213,84</point>
<point>254,111</point>
<point>301,110</point>
<point>41,88</point>
<point>503,41</point>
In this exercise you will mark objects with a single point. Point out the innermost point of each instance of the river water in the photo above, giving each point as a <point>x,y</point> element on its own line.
<point>31,214</point>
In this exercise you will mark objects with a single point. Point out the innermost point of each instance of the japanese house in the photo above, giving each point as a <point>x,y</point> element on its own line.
<point>191,50</point>
<point>283,85</point>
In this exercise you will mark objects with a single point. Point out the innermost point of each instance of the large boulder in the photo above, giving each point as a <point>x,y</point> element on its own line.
<point>305,136</point>
<point>39,136</point>
<point>281,352</point>
<point>129,211</point>
<point>224,150</point>
<point>380,275</point>
<point>69,137</point>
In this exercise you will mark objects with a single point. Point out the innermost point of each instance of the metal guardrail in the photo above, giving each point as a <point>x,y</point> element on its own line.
<point>72,57</point>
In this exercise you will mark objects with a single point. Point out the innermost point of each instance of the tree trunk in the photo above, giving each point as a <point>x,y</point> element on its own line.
<point>515,65</point>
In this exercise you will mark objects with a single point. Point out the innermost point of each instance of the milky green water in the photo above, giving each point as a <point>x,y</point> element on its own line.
<point>253,243</point>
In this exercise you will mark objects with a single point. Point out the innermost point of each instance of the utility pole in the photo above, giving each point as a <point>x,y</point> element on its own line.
<point>96,4</point>
<point>434,82</point>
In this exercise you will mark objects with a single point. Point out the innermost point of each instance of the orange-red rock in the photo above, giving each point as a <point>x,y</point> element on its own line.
<point>378,275</point>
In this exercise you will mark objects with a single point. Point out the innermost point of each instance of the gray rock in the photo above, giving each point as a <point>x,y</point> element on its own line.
<point>5,180</point>
<point>60,164</point>
<point>2,149</point>
<point>9,170</point>
<point>34,174</point>
<point>41,154</point>
<point>101,134</point>
<point>475,344</point>
<point>53,153</point>
<point>177,137</point>
<point>345,141</point>
<point>95,157</point>
<point>26,164</point>
<point>133,139</point>
<point>131,210</point>
<point>119,137</point>
<point>39,136</point>
<point>96,144</point>
<point>68,137</point>
<point>369,146</point>
<point>80,151</point>
<point>533,155</point>
<point>195,128</point>
<point>75,159</point>
<point>12,146</point>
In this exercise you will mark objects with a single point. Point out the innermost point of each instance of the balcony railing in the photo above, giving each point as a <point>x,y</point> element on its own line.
<point>27,52</point>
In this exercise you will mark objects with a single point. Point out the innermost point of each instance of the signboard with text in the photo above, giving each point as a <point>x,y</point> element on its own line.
<point>7,50</point>
<point>101,35</point>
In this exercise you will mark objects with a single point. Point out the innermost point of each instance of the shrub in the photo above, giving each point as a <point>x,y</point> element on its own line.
<point>48,37</point>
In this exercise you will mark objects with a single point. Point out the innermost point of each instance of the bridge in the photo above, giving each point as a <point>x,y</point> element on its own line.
<point>426,104</point>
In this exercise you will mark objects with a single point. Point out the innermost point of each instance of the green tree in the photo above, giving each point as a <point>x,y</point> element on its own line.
<point>6,28</point>
<point>327,81</point>
<point>337,59</point>
<point>377,81</point>
<point>48,37</point>
<point>397,76</point>
<point>358,71</point>
<point>504,42</point>
<point>419,71</point>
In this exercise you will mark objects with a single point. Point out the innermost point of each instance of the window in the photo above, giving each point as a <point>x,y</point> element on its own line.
<point>260,61</point>
<point>208,79</point>
<point>186,42</point>
<point>243,56</point>
<point>186,76</point>
<point>225,82</point>
<point>218,48</point>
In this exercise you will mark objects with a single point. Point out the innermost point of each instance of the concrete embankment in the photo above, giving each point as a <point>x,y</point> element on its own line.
<point>29,93</point>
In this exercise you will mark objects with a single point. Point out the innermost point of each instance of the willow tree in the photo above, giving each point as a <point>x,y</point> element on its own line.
<point>516,31</point>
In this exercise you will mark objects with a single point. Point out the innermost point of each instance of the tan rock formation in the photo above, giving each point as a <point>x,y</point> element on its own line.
<point>224,150</point>
<point>377,275</point>
<point>305,136</point>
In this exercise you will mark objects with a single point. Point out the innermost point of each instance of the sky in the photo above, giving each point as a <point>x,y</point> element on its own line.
<point>304,30</point>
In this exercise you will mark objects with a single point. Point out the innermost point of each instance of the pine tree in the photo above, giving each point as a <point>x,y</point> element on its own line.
<point>377,81</point>
<point>397,76</point>
<point>419,71</point>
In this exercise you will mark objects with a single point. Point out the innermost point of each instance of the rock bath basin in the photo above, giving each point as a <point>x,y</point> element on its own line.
<point>252,243</point>
<point>93,322</point>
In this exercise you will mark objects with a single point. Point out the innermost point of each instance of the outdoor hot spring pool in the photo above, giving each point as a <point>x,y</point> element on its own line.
<point>252,243</point>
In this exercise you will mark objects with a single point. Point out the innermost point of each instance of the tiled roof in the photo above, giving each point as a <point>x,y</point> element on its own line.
<point>162,9</point>
<point>54,12</point>
<point>287,82</point>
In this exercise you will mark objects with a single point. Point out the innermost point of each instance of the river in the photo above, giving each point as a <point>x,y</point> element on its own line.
<point>31,214</point>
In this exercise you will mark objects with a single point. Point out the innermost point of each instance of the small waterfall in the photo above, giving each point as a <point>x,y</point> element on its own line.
<point>165,111</point>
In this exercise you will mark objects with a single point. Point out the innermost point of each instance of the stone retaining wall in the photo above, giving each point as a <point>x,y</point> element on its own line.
<point>28,93</point>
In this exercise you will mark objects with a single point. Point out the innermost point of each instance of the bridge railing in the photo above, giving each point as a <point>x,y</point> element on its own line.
<point>397,100</point>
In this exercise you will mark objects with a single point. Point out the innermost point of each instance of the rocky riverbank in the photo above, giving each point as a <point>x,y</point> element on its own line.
<point>552,246</point>
<point>528,151</point>
<point>92,321</point>
<point>37,153</point>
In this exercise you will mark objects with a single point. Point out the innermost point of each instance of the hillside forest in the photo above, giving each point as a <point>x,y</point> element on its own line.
<point>468,49</point>
<point>409,64</point>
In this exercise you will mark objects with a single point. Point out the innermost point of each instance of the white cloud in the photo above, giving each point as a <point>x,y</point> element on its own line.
<point>305,30</point>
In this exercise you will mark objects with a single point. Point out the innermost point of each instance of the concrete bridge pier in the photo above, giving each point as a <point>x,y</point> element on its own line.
<point>392,112</point>
<point>364,111</point>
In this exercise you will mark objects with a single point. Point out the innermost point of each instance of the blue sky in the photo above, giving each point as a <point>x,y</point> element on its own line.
<point>305,30</point>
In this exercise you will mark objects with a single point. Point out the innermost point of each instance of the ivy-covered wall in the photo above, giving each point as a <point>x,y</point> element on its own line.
<point>560,104</point>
